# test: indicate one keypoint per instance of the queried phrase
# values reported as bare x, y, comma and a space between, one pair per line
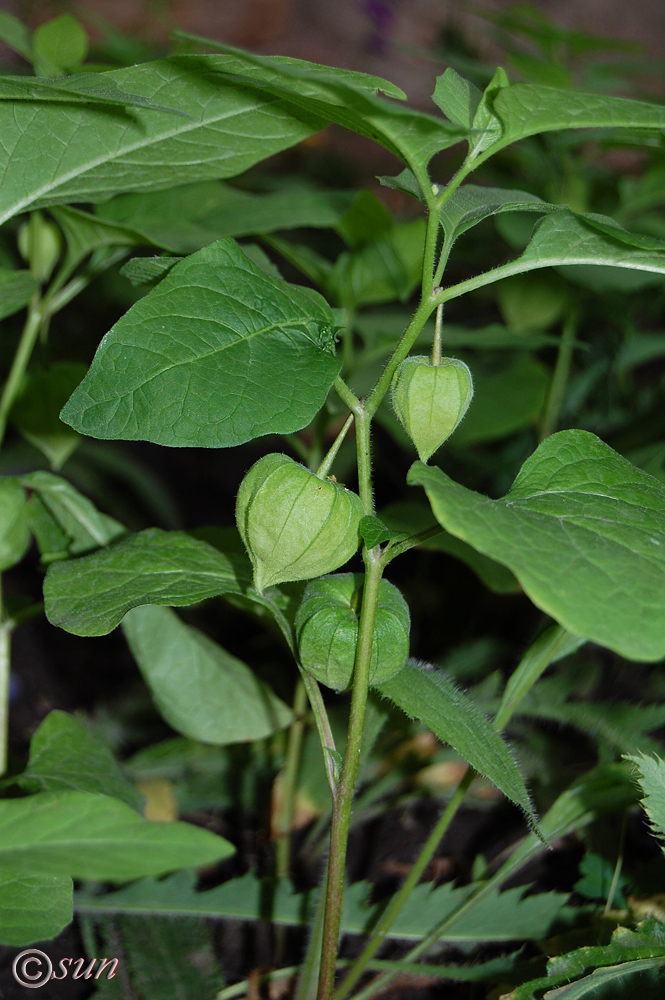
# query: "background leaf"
36, 412
97, 837
215, 698
32, 907
66, 756
16, 290
90, 596
217, 354
584, 532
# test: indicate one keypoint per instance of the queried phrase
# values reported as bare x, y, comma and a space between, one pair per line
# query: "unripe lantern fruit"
430, 400
295, 526
327, 630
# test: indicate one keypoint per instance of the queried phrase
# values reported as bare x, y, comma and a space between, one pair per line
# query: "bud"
430, 400
295, 526
327, 630
39, 244
14, 531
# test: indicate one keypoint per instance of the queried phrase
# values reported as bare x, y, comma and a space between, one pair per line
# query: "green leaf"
499, 917
15, 34
341, 96
97, 837
14, 523
59, 45
383, 270
412, 518
217, 699
405, 181
505, 400
32, 907
16, 290
652, 781
106, 151
66, 756
143, 270
85, 233
373, 531
487, 128
36, 410
90, 596
457, 98
470, 204
365, 220
170, 959
563, 238
532, 301
584, 532
216, 320
189, 217
597, 875
633, 960
85, 527
526, 109
427, 694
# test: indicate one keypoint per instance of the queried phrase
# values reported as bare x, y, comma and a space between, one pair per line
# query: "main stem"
343, 803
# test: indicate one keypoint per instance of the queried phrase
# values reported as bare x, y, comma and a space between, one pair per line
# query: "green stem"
411, 881
22, 357
5, 640
438, 336
348, 397
618, 866
322, 723
290, 781
342, 805
418, 320
363, 449
308, 976
559, 378
327, 462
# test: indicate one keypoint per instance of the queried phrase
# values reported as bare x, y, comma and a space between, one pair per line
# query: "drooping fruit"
295, 526
327, 630
430, 400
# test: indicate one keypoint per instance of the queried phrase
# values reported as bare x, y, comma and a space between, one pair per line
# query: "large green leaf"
526, 109
427, 694
91, 595
33, 907
217, 354
55, 153
66, 756
217, 698
187, 218
500, 917
98, 837
584, 532
341, 96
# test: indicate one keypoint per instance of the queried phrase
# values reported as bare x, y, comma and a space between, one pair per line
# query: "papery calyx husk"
431, 400
295, 526
326, 627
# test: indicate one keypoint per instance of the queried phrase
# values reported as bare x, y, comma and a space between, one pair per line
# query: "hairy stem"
342, 805
438, 336
411, 881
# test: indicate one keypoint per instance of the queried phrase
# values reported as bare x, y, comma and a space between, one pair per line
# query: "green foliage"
239, 330
215, 347
572, 560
